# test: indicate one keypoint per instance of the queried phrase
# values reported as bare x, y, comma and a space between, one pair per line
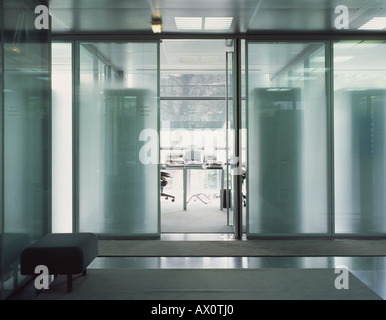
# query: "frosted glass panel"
287, 174
118, 139
359, 132
26, 158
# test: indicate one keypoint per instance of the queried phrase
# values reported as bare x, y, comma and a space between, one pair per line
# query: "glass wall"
26, 112
287, 176
359, 137
118, 145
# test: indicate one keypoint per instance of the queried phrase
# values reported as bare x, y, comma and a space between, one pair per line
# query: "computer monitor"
193, 156
210, 158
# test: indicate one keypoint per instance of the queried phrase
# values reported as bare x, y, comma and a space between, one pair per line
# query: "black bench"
61, 253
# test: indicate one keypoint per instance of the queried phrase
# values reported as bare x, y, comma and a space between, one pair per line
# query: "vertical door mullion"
237, 210
75, 134
226, 134
330, 119
159, 133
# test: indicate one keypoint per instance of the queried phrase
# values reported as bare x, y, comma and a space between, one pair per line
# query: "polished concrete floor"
370, 270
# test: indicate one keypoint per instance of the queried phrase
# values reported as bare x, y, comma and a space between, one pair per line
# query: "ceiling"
249, 16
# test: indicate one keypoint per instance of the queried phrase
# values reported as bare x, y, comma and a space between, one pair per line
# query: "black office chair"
164, 182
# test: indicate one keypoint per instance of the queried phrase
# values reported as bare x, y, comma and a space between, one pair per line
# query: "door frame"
237, 198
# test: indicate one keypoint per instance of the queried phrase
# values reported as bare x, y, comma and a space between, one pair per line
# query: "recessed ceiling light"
342, 58
317, 59
190, 59
188, 23
376, 23
210, 59
278, 89
218, 23
345, 45
356, 45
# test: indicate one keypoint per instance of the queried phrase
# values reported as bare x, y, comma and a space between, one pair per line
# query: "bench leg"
69, 282
84, 273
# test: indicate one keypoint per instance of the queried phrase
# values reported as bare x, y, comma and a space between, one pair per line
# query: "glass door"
117, 139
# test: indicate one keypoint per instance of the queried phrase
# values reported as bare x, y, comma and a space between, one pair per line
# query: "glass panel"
193, 68
118, 139
61, 137
359, 134
287, 139
193, 114
26, 136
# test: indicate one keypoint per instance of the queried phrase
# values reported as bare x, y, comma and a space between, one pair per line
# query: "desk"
195, 166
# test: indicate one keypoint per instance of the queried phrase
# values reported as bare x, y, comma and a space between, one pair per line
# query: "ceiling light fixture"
156, 24
342, 58
376, 23
229, 43
218, 23
188, 23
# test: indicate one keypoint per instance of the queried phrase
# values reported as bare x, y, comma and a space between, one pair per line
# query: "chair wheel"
173, 200
166, 198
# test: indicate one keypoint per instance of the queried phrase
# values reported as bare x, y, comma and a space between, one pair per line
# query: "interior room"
176, 144
196, 128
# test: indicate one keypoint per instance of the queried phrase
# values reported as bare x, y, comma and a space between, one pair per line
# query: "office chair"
164, 182
243, 177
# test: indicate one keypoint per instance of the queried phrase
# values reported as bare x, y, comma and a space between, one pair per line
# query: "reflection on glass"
193, 84
287, 139
193, 68
359, 137
26, 135
118, 190
187, 123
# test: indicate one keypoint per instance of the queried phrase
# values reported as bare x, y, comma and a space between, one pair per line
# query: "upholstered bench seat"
61, 253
